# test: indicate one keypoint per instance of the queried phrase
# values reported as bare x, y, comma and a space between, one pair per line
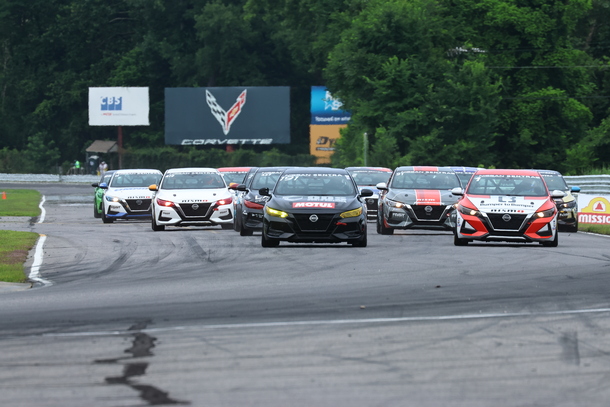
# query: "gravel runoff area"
70, 179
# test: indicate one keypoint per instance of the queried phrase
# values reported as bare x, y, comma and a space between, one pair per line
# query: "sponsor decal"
323, 205
509, 204
138, 197
595, 209
427, 197
225, 118
214, 141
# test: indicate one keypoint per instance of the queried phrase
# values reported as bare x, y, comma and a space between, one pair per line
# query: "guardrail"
72, 179
590, 184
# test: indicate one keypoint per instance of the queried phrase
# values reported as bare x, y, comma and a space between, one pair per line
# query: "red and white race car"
506, 205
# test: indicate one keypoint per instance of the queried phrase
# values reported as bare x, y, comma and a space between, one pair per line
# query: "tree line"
493, 83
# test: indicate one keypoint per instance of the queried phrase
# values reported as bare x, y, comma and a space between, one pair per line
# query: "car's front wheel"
458, 241
105, 218
156, 227
552, 243
267, 242
381, 227
96, 214
362, 242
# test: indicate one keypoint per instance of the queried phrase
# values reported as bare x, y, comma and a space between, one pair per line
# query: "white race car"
192, 197
127, 196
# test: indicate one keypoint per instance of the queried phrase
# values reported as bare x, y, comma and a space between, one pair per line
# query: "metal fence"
590, 184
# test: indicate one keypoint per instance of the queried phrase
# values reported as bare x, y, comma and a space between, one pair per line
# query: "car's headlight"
276, 213
352, 214
395, 204
468, 211
110, 198
546, 214
570, 204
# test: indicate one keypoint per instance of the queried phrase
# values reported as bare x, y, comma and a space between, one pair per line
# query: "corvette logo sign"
225, 118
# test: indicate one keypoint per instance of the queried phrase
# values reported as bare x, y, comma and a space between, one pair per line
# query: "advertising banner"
227, 115
322, 141
594, 209
325, 109
118, 107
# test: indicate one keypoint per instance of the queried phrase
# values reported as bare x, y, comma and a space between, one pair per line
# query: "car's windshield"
265, 179
515, 185
315, 184
134, 180
369, 177
410, 179
192, 180
464, 177
234, 176
555, 181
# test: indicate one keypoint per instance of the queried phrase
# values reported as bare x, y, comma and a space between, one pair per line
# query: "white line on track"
341, 322
35, 270
43, 212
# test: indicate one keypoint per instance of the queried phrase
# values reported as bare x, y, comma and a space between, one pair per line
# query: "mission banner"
227, 115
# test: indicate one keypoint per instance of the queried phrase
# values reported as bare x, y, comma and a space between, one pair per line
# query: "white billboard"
118, 107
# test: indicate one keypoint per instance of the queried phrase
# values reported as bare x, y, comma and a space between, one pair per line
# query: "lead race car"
317, 205
192, 197
417, 198
507, 205
127, 195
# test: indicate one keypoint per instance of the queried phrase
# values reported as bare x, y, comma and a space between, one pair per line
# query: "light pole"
366, 148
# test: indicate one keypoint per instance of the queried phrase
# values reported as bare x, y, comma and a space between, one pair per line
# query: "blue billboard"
325, 109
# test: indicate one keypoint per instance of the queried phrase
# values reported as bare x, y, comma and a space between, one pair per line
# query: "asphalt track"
126, 316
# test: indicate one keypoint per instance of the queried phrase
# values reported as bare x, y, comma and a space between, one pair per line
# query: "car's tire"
552, 243
266, 242
572, 228
96, 214
156, 227
226, 226
381, 228
458, 241
362, 242
106, 219
244, 231
237, 221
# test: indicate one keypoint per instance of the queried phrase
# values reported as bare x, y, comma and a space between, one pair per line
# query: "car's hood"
507, 204
254, 196
130, 193
193, 195
300, 203
422, 196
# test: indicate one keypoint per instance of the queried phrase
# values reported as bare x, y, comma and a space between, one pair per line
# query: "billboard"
227, 115
327, 119
118, 107
594, 209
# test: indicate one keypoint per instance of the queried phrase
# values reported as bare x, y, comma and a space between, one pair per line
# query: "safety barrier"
590, 184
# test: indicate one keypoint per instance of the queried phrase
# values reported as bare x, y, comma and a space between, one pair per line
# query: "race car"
507, 205
567, 219
98, 195
127, 195
316, 205
191, 197
464, 174
235, 175
417, 198
249, 209
368, 178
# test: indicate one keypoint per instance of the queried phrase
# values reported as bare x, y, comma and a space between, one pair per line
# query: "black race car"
316, 205
249, 209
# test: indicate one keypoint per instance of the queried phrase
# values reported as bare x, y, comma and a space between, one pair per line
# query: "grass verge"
14, 249
601, 229
19, 202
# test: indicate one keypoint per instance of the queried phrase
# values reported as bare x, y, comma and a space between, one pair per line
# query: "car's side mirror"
95, 184
153, 187
241, 187
575, 189
264, 192
103, 185
556, 194
457, 191
382, 186
366, 192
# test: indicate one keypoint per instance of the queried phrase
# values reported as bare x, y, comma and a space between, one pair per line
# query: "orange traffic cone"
3, 195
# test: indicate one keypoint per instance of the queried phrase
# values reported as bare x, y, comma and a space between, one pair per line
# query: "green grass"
19, 202
601, 229
14, 249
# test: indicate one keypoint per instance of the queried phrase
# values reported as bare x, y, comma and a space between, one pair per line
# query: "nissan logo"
313, 218
506, 217
428, 209
139, 202
195, 207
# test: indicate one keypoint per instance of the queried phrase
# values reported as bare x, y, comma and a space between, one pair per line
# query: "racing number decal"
511, 199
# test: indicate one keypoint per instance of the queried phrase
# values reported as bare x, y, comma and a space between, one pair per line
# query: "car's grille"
371, 204
138, 205
434, 214
198, 210
514, 223
306, 225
